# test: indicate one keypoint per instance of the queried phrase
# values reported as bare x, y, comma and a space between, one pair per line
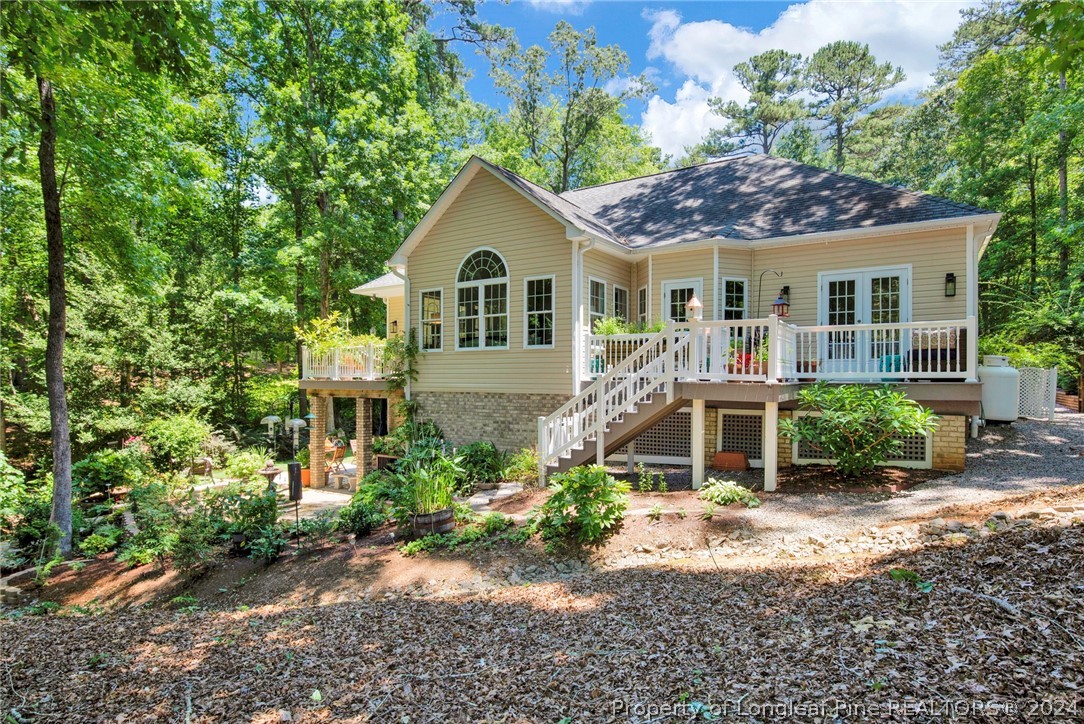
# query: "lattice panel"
914, 450
1038, 390
742, 433
671, 437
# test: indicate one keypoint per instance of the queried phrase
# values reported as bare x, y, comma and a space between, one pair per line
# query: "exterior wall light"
950, 285
781, 305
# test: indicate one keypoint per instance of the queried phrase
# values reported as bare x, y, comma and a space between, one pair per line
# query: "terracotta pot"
305, 477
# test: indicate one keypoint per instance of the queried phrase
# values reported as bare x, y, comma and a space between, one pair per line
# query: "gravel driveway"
1005, 461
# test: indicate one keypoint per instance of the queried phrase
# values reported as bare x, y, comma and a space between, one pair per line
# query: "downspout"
400, 272
579, 248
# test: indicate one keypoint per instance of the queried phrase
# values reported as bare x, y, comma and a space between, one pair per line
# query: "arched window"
481, 288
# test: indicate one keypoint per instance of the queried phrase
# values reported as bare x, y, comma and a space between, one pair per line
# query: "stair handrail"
582, 411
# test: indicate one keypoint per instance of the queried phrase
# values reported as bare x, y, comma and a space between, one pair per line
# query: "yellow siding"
395, 313
931, 255
489, 213
612, 270
693, 264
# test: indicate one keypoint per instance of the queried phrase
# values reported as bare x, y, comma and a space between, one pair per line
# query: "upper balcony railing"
760, 350
364, 362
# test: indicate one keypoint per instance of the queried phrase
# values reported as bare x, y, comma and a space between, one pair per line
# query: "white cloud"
904, 32
563, 7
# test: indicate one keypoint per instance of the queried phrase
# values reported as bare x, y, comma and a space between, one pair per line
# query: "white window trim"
422, 320
553, 310
698, 289
926, 464
906, 276
643, 311
628, 301
605, 298
481, 302
722, 295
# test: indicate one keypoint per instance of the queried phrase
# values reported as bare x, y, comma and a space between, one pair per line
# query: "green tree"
561, 115
846, 81
773, 80
54, 44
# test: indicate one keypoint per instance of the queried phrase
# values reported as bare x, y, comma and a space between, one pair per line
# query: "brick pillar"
317, 436
363, 456
950, 443
711, 430
786, 445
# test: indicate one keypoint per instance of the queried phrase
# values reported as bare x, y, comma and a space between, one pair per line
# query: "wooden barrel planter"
385, 461
441, 521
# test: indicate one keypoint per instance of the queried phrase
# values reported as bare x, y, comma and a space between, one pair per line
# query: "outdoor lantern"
395, 326
694, 309
950, 285
781, 306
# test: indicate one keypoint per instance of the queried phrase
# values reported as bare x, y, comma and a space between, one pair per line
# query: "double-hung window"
641, 306
538, 312
431, 306
735, 298
481, 289
621, 303
596, 298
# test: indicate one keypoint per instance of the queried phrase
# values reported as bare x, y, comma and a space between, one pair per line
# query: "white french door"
867, 296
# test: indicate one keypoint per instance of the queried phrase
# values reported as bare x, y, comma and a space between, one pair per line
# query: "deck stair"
618, 406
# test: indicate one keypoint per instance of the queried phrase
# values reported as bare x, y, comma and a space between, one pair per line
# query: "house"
751, 276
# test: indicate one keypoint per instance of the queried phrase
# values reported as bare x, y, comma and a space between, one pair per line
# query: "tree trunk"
323, 203
1063, 193
1034, 267
839, 145
54, 346
299, 293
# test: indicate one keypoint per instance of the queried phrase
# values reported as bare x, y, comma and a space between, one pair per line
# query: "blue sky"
688, 48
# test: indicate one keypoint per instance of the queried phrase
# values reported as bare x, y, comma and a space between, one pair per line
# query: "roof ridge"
881, 184
728, 159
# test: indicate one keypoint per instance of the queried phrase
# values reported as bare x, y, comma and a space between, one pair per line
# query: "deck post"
317, 436
770, 445
697, 445
363, 456
630, 462
600, 446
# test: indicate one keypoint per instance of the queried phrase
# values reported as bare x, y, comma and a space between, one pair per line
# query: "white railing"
899, 351
364, 362
601, 352
647, 370
760, 350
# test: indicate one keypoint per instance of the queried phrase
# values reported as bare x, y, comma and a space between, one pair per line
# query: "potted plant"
807, 367
427, 477
303, 458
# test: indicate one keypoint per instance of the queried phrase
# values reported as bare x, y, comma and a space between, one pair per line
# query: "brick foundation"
785, 453
509, 421
950, 443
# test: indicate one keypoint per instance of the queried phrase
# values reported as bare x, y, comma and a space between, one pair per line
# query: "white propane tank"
1000, 389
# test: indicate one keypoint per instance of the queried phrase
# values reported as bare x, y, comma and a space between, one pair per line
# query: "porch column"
363, 456
630, 463
393, 414
770, 445
698, 444
317, 436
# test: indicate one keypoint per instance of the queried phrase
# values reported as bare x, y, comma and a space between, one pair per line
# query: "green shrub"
175, 441
243, 508
15, 490
725, 492
320, 528
176, 396
157, 520
103, 539
856, 426
101, 471
406, 436
427, 478
267, 544
244, 464
586, 505
521, 467
483, 464
361, 516
196, 550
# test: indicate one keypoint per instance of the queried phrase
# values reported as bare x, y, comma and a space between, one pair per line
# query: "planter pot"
386, 461
305, 477
808, 367
442, 521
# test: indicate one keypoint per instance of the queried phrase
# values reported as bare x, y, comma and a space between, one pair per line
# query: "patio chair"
335, 457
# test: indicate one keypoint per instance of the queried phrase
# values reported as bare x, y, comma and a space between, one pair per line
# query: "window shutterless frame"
641, 305
539, 304
427, 319
732, 299
481, 287
621, 303
594, 313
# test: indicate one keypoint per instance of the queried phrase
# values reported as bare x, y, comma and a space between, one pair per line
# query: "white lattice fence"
1038, 390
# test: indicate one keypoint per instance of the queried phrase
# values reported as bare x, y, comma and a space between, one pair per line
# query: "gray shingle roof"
746, 198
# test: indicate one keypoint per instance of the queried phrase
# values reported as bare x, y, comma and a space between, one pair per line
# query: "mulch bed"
821, 479
1000, 629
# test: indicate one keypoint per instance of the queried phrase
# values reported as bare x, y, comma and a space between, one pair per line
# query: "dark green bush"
104, 538
101, 471
586, 505
857, 425
483, 464
361, 517
175, 441
196, 548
